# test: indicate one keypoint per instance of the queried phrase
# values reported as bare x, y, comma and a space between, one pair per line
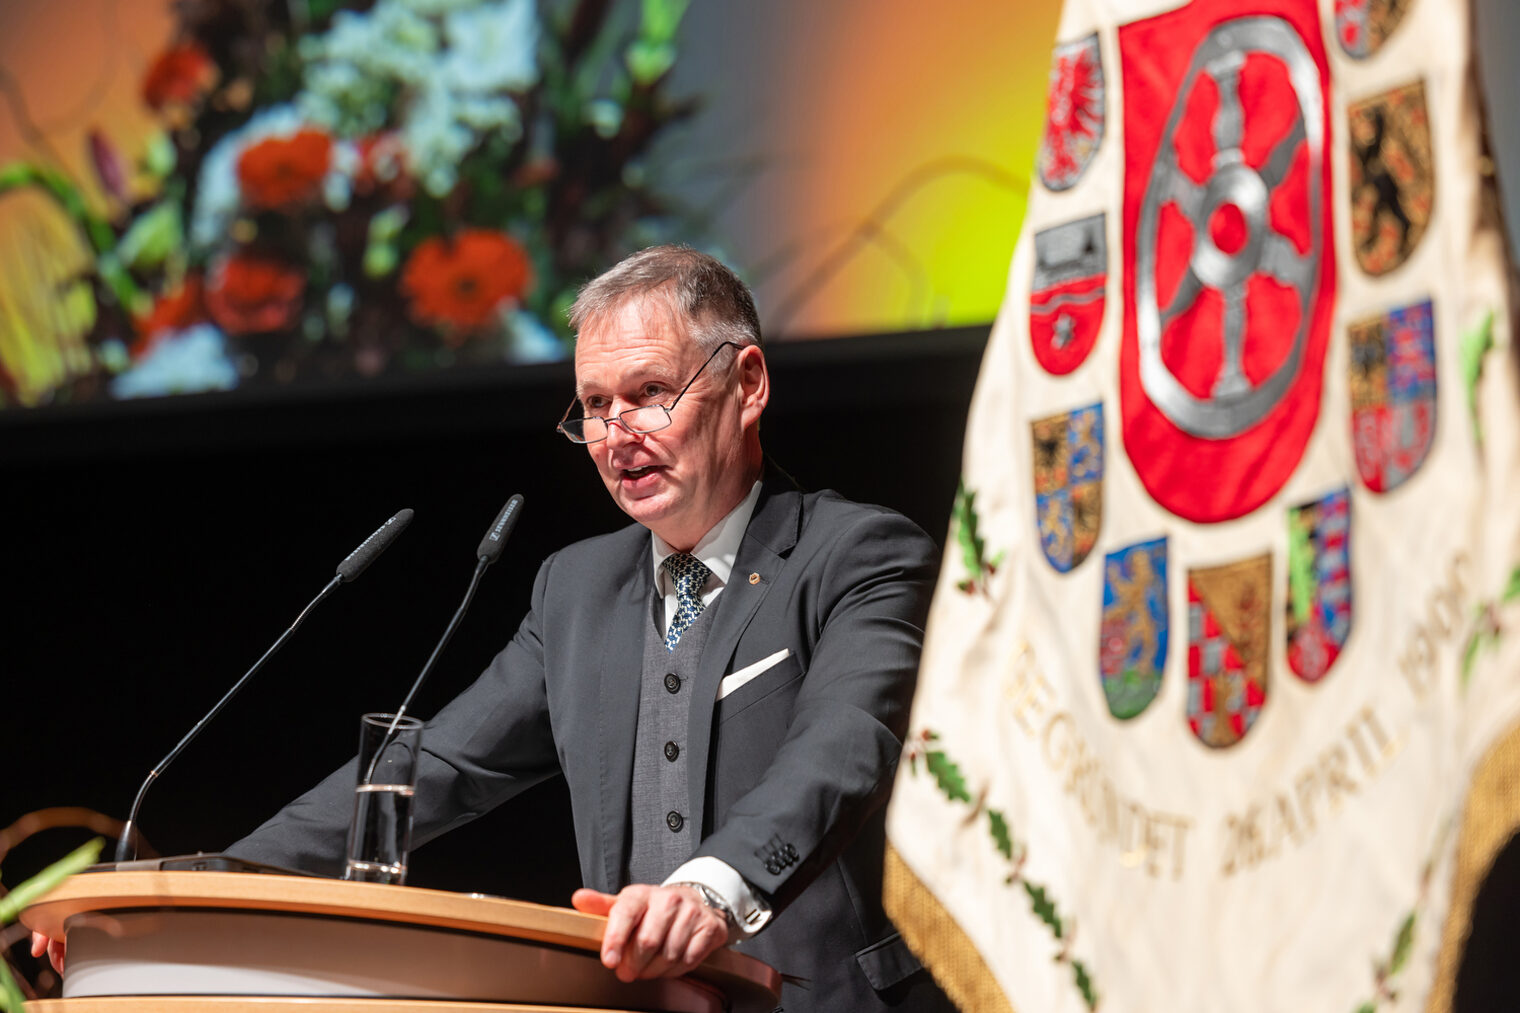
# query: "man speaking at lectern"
724, 684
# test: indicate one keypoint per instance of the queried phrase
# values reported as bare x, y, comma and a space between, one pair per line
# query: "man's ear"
754, 383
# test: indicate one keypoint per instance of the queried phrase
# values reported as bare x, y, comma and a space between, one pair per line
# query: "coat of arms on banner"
1068, 484
1393, 183
1073, 113
1229, 615
1229, 276
1132, 647
1067, 294
1393, 394
1319, 584
1362, 26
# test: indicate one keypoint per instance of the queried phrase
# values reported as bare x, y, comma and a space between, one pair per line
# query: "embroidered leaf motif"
1401, 945
947, 775
973, 547
998, 824
1512, 589
1474, 345
952, 782
1383, 973
1470, 655
1085, 984
1403, 942
1044, 908
914, 748
1486, 629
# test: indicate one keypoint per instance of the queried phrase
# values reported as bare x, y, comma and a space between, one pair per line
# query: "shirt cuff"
750, 912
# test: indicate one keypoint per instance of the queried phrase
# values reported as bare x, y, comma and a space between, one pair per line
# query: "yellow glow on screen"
931, 115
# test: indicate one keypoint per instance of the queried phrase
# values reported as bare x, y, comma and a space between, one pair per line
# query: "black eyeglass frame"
618, 418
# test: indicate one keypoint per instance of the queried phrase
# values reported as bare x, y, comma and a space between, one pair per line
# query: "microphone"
352, 565
358, 561
487, 553
496, 538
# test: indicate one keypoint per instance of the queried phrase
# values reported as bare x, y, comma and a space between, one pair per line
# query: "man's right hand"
654, 931
52, 947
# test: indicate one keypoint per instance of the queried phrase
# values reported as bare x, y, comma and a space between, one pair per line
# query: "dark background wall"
152, 553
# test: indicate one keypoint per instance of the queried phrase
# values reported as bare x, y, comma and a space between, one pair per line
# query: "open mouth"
639, 476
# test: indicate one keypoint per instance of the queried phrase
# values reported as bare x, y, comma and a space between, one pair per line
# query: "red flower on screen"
281, 172
250, 293
458, 284
173, 311
182, 75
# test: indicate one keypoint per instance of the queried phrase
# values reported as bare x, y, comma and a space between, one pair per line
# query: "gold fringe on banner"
937, 939
1490, 817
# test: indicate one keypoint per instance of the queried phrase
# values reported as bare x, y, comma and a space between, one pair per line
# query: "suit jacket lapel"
622, 667
772, 532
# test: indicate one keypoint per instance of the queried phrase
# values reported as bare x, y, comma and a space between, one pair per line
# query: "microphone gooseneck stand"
349, 569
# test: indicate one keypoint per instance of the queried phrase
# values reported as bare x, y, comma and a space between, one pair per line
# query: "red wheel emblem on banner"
1229, 272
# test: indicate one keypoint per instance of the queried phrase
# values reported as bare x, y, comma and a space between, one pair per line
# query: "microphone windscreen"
491, 545
355, 562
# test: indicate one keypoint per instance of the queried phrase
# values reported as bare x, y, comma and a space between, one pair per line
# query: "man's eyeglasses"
644, 419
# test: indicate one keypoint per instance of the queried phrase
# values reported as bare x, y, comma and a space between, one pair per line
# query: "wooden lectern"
227, 941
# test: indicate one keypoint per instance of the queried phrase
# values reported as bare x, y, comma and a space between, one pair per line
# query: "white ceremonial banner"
1229, 610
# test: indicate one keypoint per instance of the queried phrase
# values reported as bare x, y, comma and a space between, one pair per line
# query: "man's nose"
618, 433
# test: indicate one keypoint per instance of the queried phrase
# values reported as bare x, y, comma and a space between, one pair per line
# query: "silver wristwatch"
711, 898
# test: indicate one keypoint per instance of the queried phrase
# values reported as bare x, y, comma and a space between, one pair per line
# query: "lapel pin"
754, 578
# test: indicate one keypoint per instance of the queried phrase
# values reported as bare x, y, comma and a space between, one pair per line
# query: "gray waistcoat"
661, 833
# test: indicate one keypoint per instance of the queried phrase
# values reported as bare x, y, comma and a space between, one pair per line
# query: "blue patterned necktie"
688, 574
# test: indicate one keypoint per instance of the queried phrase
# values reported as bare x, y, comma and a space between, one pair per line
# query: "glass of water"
381, 833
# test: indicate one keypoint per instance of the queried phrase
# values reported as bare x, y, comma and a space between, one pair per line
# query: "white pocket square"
734, 680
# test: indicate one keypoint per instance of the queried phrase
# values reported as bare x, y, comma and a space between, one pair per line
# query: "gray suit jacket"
798, 762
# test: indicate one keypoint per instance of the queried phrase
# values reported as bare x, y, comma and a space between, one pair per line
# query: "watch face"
711, 899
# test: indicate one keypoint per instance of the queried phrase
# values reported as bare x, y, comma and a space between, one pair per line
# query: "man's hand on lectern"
654, 931
52, 947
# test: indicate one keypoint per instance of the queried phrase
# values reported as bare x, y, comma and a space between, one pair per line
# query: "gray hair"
714, 304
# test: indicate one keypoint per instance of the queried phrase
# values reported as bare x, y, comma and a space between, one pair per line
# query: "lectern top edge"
300, 895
